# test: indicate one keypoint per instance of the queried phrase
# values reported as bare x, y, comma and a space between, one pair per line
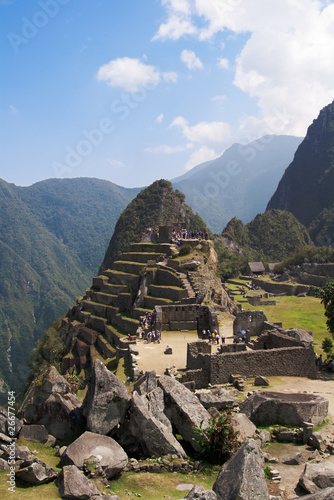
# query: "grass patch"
24, 491
157, 486
123, 369
306, 313
45, 453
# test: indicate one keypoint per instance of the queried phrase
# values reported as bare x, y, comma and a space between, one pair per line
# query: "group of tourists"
212, 337
152, 336
147, 320
184, 234
327, 366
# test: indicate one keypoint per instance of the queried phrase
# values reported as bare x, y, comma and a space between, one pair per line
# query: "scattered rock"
168, 349
242, 476
293, 459
260, 380
146, 383
34, 433
244, 426
316, 441
199, 493
4, 423
221, 399
112, 457
107, 400
156, 438
326, 494
49, 398
72, 483
184, 410
317, 476
36, 472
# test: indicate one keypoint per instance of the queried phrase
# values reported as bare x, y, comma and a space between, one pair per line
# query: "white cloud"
203, 132
131, 74
175, 27
200, 156
223, 63
191, 60
170, 76
159, 118
13, 109
116, 163
167, 150
286, 63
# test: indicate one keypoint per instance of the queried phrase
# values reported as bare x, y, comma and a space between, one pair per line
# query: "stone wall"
167, 277
312, 279
290, 361
319, 269
186, 317
253, 321
275, 340
282, 288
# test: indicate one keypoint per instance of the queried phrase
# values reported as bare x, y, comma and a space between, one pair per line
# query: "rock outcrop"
35, 471
154, 436
110, 454
285, 408
49, 401
107, 400
242, 476
72, 483
316, 477
184, 410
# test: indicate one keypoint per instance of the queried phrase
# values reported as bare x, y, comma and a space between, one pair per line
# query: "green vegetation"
154, 206
157, 486
297, 312
326, 294
219, 440
306, 254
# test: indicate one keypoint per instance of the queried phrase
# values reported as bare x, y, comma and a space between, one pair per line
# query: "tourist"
223, 339
209, 335
203, 334
217, 337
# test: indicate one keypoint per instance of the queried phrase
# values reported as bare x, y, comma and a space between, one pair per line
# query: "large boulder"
184, 410
199, 493
285, 408
107, 400
154, 436
35, 471
156, 405
50, 402
146, 383
220, 399
242, 476
72, 483
34, 433
243, 426
15, 429
326, 494
111, 455
316, 477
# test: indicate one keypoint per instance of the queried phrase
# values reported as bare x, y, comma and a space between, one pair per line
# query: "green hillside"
154, 206
271, 236
53, 237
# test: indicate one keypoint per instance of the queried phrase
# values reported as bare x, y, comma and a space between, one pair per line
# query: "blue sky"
137, 90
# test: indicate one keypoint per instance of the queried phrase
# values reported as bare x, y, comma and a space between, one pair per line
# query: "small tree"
327, 346
326, 294
218, 441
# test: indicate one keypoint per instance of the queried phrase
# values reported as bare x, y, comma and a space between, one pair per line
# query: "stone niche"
186, 317
253, 321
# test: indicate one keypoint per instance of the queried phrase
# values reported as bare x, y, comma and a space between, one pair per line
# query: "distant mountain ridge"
240, 182
306, 188
53, 237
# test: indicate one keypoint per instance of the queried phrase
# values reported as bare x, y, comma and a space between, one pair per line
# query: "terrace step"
142, 257
127, 266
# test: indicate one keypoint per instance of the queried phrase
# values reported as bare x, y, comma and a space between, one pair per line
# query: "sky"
137, 90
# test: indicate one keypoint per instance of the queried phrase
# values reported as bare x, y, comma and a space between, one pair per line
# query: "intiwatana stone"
184, 410
242, 476
111, 455
107, 400
316, 477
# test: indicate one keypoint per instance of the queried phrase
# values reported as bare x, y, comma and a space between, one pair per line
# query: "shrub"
219, 441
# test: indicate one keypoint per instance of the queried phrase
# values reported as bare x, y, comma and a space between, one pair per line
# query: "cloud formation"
286, 63
131, 74
203, 132
167, 150
191, 60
